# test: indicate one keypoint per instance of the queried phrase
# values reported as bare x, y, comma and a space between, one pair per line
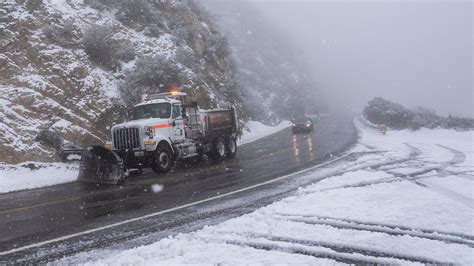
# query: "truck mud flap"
101, 165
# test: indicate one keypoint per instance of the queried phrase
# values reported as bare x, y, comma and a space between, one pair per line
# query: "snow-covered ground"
405, 198
33, 174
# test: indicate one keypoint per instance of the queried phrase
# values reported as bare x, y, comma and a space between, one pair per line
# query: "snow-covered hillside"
403, 198
53, 76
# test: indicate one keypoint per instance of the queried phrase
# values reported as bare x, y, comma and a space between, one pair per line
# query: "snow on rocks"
406, 199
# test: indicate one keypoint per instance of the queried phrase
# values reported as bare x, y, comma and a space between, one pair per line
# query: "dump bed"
219, 122
212, 123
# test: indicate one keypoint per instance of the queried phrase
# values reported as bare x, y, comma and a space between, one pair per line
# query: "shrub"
219, 46
187, 57
101, 5
33, 5
458, 123
68, 28
137, 11
61, 34
125, 53
50, 139
100, 46
394, 115
416, 122
49, 31
153, 31
150, 75
423, 117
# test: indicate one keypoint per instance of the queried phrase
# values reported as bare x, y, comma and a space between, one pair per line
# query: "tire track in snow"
464, 174
458, 157
390, 229
335, 251
453, 195
414, 177
367, 146
414, 153
372, 164
308, 251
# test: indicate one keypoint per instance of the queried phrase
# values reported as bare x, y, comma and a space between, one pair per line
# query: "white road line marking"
168, 210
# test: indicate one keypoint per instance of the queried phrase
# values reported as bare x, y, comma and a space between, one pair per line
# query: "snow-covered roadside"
31, 175
406, 199
34, 175
256, 130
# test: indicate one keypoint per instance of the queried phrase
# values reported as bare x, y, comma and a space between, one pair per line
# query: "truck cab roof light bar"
174, 94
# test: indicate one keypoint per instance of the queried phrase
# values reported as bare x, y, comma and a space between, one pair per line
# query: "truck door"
178, 124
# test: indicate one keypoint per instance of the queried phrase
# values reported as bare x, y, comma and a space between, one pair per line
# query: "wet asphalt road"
39, 215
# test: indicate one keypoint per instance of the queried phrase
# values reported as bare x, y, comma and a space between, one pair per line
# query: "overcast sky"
418, 53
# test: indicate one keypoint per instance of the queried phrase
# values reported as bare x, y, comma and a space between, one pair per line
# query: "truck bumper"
135, 158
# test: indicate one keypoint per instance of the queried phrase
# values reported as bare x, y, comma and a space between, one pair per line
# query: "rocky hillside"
68, 69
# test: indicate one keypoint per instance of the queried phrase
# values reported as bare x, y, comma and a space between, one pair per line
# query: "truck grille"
126, 138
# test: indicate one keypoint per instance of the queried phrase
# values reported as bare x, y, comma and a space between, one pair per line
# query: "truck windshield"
157, 110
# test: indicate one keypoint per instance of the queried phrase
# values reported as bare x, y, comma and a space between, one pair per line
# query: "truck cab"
162, 119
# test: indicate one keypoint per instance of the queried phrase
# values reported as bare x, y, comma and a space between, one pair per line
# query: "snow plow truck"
162, 130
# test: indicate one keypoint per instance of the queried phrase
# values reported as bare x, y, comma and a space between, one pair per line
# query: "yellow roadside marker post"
383, 129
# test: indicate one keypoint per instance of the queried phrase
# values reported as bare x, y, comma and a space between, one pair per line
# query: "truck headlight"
148, 132
308, 125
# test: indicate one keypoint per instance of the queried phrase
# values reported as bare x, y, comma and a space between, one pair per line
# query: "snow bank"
404, 200
256, 130
31, 175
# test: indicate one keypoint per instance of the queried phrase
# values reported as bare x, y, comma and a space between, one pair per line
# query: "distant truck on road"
161, 131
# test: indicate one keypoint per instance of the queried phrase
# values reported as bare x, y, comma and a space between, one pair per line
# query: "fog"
418, 53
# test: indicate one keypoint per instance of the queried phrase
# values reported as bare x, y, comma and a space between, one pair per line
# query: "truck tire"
231, 148
218, 150
163, 159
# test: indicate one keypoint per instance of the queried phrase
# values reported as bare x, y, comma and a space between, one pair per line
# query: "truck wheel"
218, 150
163, 160
231, 148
